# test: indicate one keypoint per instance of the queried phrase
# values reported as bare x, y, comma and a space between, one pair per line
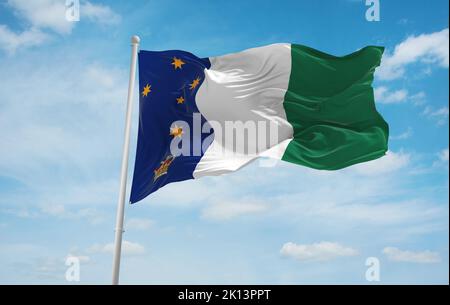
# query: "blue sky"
62, 102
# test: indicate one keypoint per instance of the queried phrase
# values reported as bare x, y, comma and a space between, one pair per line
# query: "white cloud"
368, 213
418, 99
47, 268
89, 105
102, 76
404, 135
440, 115
322, 251
442, 159
82, 258
41, 264
92, 215
389, 163
424, 257
226, 210
98, 13
45, 14
430, 49
54, 209
351, 197
139, 224
128, 248
49, 15
384, 96
60, 211
11, 41
77, 139
16, 248
443, 155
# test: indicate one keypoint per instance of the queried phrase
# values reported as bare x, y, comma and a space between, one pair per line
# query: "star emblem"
147, 89
180, 100
177, 63
194, 83
176, 131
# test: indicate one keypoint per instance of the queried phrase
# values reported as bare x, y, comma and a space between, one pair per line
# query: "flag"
283, 101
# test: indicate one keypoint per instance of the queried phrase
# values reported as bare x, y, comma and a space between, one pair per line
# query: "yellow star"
177, 63
194, 83
147, 90
180, 100
176, 131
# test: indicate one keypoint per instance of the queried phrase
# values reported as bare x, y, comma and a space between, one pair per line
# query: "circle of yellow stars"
177, 64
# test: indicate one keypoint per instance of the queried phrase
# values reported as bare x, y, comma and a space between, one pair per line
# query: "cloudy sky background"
62, 101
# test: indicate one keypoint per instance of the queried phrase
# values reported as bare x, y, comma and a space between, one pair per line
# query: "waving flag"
283, 101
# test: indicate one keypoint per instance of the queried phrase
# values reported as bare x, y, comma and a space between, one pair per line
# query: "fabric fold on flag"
330, 104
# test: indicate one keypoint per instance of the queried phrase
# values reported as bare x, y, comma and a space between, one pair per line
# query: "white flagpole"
123, 174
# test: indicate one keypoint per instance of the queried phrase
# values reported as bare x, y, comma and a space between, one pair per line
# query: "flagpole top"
135, 39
